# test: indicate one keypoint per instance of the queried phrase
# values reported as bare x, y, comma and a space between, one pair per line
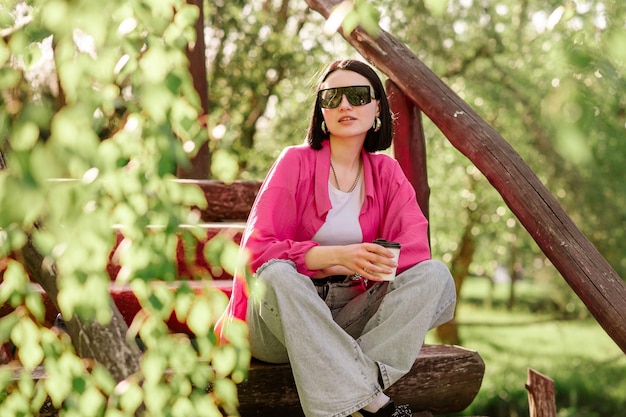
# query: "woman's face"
349, 120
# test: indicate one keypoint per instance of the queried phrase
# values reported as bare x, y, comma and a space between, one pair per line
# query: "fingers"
375, 261
374, 272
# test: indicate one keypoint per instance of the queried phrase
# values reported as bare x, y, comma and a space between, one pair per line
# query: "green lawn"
588, 368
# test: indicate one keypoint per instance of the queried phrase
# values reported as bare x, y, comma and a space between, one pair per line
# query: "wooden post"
409, 144
541, 399
200, 164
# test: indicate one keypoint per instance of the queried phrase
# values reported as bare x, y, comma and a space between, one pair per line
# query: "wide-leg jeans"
347, 348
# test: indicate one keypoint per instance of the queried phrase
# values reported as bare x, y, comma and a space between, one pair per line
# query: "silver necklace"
356, 180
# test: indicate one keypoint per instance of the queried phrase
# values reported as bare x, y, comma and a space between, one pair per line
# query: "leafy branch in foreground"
97, 115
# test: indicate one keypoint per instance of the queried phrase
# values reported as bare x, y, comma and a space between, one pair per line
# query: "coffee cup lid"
387, 243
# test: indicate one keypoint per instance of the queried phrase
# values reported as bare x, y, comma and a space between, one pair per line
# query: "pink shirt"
293, 202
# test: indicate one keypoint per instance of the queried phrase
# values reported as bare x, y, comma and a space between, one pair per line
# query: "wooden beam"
588, 273
409, 143
227, 202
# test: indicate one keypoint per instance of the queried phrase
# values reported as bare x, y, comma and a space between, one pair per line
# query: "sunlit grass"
588, 368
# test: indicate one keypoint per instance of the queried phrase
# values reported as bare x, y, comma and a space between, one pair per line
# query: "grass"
588, 368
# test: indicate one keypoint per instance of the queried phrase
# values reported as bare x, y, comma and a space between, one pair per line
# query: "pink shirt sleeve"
273, 225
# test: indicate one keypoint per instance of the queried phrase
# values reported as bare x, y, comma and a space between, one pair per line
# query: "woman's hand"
365, 259
368, 260
333, 270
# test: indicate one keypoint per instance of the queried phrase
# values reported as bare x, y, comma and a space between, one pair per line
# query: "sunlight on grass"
588, 368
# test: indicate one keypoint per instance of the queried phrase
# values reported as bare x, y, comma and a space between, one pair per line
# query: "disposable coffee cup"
393, 247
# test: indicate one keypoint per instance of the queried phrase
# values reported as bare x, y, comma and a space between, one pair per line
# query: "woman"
348, 334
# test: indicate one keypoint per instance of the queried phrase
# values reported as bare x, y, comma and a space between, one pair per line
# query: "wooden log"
227, 202
588, 273
541, 397
444, 379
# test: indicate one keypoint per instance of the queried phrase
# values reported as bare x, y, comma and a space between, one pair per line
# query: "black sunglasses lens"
330, 98
357, 96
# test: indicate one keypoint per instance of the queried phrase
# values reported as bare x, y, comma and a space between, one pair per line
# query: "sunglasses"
357, 95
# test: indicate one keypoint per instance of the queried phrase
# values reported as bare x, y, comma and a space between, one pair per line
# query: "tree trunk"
200, 164
105, 343
449, 332
578, 261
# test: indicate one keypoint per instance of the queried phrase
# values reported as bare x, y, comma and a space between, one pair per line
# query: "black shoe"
388, 410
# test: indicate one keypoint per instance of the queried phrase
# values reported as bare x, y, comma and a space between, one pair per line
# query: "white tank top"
342, 222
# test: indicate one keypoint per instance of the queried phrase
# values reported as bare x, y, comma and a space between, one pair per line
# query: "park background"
547, 75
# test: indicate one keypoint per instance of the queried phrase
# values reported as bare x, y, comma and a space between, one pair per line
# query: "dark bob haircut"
374, 141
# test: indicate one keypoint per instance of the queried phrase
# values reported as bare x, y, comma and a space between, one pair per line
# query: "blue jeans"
347, 348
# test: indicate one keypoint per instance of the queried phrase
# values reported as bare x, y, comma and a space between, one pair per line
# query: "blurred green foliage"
97, 110
586, 365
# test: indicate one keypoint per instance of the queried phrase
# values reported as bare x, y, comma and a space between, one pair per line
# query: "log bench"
444, 379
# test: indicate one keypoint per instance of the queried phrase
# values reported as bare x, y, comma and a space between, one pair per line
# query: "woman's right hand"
367, 260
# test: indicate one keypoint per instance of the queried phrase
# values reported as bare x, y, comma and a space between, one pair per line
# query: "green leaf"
34, 303
368, 17
224, 165
13, 284
7, 324
25, 336
183, 407
9, 78
103, 379
91, 402
183, 302
226, 390
224, 359
156, 100
54, 14
155, 64
200, 318
232, 259
25, 135
338, 16
436, 7
131, 396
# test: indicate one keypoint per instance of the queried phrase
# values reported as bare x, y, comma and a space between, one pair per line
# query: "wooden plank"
541, 395
227, 202
444, 379
590, 275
